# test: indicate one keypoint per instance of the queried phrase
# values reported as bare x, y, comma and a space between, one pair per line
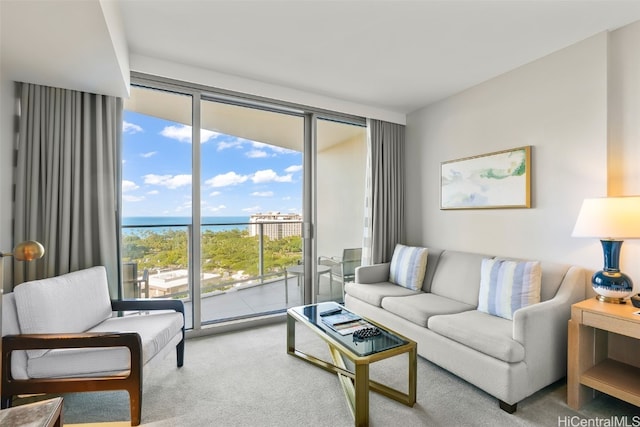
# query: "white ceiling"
393, 55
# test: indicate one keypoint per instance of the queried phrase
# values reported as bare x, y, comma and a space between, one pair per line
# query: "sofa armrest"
375, 273
143, 304
132, 382
542, 330
11, 343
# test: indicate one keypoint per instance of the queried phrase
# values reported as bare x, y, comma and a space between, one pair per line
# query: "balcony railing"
234, 256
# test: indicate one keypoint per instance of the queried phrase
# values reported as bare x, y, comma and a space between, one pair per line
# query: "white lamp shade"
609, 218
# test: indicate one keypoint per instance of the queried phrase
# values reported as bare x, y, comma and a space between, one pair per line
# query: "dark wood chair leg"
6, 401
135, 402
510, 409
180, 353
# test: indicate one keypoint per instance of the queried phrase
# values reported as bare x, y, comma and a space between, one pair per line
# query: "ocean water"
161, 224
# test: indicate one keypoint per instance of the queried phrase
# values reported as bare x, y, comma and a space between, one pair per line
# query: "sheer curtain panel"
67, 181
384, 191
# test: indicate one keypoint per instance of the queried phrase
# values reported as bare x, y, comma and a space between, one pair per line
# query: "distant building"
275, 225
172, 282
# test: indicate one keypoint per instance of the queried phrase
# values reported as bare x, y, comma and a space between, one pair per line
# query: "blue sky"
240, 177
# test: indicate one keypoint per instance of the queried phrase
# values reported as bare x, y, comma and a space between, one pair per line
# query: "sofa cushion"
408, 265
72, 302
419, 308
156, 331
372, 293
507, 285
480, 331
458, 276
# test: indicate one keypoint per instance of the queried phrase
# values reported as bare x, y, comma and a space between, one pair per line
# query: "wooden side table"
603, 352
47, 413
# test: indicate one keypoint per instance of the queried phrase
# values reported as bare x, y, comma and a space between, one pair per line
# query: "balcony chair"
343, 268
64, 334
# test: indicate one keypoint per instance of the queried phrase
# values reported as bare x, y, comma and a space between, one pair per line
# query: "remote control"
330, 312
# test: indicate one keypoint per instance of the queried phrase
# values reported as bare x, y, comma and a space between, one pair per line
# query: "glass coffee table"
336, 325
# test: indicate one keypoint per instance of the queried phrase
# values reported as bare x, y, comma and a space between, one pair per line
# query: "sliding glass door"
235, 225
251, 192
341, 158
156, 195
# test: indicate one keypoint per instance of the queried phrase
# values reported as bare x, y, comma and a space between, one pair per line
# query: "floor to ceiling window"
341, 160
156, 194
227, 224
251, 209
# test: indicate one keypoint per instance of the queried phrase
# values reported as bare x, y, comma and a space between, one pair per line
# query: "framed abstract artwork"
489, 181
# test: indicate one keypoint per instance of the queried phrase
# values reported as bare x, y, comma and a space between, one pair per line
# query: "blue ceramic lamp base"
611, 284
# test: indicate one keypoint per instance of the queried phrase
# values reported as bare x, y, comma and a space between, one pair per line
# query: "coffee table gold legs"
357, 394
362, 395
356, 385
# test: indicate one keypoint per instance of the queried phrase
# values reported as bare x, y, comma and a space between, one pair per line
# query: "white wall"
558, 105
624, 129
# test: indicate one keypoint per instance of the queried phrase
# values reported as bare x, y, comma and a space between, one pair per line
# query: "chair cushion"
419, 308
73, 302
156, 331
408, 265
506, 286
372, 293
483, 332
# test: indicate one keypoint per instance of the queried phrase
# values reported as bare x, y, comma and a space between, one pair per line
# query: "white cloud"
256, 154
149, 154
130, 128
268, 175
235, 143
131, 199
215, 193
169, 181
262, 193
215, 209
252, 209
226, 179
184, 208
293, 168
129, 186
182, 133
153, 192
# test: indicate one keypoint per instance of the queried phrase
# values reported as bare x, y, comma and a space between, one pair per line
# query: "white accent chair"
64, 334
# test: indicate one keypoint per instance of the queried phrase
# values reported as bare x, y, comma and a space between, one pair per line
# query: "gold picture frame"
498, 180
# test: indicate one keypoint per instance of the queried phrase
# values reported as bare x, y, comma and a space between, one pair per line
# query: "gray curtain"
384, 191
66, 181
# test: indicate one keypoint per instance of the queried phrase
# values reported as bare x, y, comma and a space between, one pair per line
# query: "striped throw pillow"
506, 286
408, 266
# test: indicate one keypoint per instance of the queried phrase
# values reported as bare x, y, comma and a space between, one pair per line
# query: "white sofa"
509, 359
65, 334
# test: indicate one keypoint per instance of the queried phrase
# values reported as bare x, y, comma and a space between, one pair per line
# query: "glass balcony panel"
155, 262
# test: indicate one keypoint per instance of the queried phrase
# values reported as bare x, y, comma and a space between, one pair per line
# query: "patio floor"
253, 300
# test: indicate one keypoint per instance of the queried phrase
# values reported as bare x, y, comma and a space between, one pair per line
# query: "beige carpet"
248, 379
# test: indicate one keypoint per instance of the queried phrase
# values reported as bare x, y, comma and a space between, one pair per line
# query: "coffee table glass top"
320, 315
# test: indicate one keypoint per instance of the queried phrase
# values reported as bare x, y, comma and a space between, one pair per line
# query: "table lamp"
26, 251
611, 219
